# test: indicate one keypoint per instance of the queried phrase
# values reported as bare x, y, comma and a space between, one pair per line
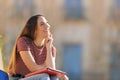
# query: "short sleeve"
54, 51
22, 44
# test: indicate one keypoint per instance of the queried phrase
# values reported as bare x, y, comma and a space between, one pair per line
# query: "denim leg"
54, 78
14, 78
43, 76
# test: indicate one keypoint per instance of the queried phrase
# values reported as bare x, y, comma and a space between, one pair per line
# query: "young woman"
33, 50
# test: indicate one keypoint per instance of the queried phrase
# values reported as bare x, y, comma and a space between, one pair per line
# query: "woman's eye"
41, 23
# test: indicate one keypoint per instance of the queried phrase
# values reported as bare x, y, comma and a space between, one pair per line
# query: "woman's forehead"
42, 19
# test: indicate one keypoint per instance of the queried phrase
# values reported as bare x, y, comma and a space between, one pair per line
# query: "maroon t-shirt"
38, 53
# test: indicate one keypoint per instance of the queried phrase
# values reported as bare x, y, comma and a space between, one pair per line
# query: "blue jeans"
43, 76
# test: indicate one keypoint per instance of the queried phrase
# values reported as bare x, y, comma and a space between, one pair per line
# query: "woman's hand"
50, 60
49, 41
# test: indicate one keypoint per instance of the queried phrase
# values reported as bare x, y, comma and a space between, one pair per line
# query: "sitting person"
33, 51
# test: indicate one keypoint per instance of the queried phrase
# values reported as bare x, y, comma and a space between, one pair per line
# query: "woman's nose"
47, 26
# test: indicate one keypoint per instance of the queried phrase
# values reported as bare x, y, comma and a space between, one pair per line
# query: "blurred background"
86, 34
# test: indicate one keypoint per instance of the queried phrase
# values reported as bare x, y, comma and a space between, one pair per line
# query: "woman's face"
43, 28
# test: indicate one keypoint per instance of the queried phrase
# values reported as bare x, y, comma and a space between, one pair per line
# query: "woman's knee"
43, 76
54, 78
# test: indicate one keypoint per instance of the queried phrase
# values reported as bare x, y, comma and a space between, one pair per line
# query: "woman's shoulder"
24, 39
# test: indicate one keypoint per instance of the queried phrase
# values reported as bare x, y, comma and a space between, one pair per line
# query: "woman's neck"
39, 42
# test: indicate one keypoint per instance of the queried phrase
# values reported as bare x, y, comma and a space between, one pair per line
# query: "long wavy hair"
28, 31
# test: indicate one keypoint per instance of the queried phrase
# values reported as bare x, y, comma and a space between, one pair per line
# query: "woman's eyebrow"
41, 22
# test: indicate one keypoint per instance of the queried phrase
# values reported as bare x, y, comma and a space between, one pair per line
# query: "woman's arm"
30, 62
50, 59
